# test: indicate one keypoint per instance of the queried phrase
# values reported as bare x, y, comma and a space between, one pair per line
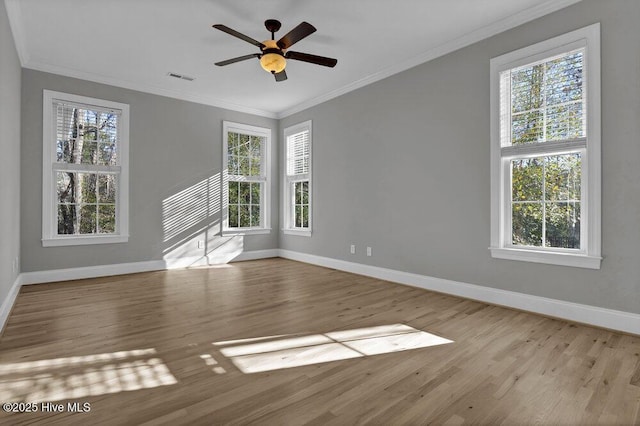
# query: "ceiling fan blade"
281, 76
238, 59
314, 59
295, 35
241, 36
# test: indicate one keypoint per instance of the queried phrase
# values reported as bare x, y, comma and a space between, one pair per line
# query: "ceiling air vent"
180, 76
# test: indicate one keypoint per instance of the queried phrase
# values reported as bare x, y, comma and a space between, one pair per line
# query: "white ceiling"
135, 43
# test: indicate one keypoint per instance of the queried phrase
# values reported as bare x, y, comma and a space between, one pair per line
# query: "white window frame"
588, 256
50, 236
289, 180
265, 199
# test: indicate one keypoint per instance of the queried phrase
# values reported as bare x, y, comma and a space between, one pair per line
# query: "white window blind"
86, 134
298, 153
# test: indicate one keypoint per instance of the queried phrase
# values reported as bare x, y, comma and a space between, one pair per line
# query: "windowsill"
299, 232
80, 241
258, 231
554, 258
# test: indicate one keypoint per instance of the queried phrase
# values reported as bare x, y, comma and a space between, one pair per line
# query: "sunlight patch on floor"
211, 362
81, 376
275, 352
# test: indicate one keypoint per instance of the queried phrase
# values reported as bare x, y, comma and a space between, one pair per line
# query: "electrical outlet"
368, 251
353, 249
200, 243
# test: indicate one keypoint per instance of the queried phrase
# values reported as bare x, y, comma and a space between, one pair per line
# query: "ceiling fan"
274, 55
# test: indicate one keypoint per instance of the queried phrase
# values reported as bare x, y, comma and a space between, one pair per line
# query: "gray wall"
402, 166
10, 148
175, 153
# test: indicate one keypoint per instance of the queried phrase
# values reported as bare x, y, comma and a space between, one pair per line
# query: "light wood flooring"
258, 342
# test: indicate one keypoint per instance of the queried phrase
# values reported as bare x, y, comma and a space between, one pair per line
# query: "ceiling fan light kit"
272, 59
274, 54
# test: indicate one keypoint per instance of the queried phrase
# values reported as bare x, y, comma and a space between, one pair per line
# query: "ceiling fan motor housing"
272, 25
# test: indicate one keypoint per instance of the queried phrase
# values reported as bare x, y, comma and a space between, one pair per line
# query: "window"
246, 171
85, 170
297, 180
545, 153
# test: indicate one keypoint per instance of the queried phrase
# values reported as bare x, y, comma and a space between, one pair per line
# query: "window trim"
50, 237
289, 180
229, 126
589, 257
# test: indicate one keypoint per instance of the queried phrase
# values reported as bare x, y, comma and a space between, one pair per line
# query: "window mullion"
544, 101
293, 205
536, 149
298, 178
85, 168
544, 202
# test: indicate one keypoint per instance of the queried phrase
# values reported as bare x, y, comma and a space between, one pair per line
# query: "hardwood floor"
281, 342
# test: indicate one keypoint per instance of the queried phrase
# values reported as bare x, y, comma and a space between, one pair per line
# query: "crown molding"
483, 33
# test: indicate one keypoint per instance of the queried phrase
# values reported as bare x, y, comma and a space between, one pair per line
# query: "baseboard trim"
257, 254
56, 275
601, 317
8, 303
67, 274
